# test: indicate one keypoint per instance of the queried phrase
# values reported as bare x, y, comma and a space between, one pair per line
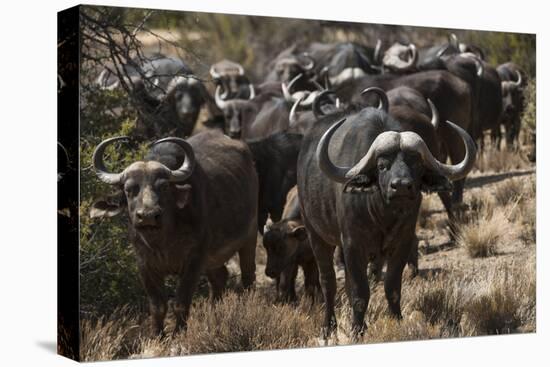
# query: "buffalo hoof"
328, 330
357, 333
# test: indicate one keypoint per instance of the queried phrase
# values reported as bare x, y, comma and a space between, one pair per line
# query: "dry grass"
509, 191
111, 338
481, 237
245, 323
494, 160
506, 302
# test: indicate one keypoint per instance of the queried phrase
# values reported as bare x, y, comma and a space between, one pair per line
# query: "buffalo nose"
401, 185
148, 217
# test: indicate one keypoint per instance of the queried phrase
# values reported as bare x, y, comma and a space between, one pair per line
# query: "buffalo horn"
220, 102
435, 114
383, 103
391, 141
518, 82
188, 165
99, 165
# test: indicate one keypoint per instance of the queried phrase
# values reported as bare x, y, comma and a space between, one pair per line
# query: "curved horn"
435, 114
225, 92
219, 100
518, 82
252, 91
452, 172
410, 141
189, 163
286, 89
311, 64
316, 105
453, 40
414, 57
293, 120
332, 171
213, 73
479, 67
101, 171
383, 103
377, 49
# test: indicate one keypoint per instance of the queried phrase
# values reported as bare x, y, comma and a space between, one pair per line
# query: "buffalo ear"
300, 233
183, 195
110, 206
434, 182
362, 183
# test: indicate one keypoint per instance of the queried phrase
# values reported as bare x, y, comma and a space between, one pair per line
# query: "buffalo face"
288, 68
187, 97
399, 176
237, 113
511, 97
151, 197
151, 191
281, 241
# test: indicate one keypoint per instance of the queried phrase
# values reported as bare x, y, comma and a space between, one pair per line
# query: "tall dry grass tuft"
247, 322
504, 303
440, 301
481, 236
113, 337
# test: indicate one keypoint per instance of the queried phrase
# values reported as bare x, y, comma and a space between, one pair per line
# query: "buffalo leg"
287, 283
458, 190
324, 256
247, 262
187, 284
217, 279
392, 282
412, 261
154, 287
311, 279
357, 285
446, 199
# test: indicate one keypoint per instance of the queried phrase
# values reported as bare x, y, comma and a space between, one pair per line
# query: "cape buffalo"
157, 70
513, 82
287, 249
174, 113
264, 114
186, 218
288, 64
232, 80
275, 160
360, 178
449, 93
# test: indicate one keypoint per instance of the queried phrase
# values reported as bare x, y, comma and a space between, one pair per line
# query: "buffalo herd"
329, 154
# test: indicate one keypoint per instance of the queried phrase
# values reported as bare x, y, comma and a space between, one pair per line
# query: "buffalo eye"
131, 189
383, 165
162, 185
